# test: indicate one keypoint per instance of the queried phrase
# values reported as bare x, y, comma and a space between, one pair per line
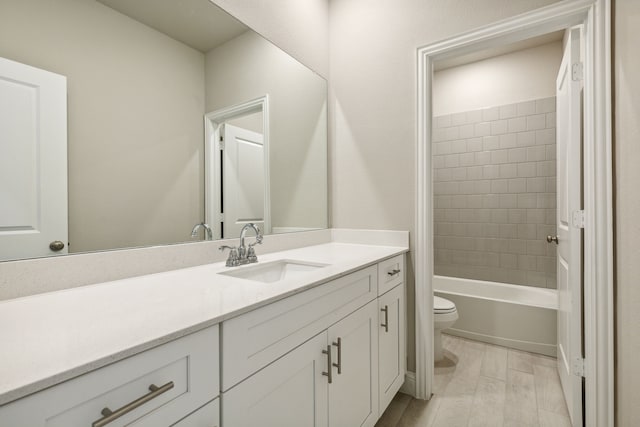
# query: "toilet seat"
442, 306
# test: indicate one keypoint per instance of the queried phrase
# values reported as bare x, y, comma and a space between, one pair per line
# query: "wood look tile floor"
481, 384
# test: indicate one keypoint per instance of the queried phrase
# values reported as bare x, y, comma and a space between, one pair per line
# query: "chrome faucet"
247, 254
243, 254
207, 229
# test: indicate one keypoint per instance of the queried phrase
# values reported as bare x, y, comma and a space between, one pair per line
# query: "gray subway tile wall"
495, 193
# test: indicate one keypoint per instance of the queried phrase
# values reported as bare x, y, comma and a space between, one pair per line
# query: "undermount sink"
274, 271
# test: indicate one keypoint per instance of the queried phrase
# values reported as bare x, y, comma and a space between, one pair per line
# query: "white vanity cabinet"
157, 387
314, 359
330, 355
255, 339
391, 356
330, 380
392, 351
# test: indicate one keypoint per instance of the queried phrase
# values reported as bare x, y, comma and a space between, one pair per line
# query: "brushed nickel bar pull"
393, 272
339, 364
108, 415
328, 374
385, 325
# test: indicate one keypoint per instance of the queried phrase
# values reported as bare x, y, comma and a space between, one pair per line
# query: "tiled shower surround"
495, 193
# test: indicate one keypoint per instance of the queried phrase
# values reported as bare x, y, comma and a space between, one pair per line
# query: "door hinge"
221, 217
577, 72
578, 367
221, 143
578, 219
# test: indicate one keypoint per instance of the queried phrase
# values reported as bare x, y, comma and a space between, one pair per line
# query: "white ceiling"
497, 51
196, 23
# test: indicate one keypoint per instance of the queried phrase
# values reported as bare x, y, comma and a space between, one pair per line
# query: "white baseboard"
531, 347
409, 386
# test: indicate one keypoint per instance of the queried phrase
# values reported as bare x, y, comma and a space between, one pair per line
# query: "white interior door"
33, 161
243, 180
569, 224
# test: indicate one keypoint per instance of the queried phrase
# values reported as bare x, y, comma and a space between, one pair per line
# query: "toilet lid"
441, 305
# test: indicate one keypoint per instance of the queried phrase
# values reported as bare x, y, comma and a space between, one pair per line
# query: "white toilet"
445, 315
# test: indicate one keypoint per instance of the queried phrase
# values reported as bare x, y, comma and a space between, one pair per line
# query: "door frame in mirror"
213, 122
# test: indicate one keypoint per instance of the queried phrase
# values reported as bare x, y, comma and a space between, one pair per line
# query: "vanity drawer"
186, 372
390, 273
255, 339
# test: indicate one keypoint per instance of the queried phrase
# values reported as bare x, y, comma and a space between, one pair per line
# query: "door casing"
595, 16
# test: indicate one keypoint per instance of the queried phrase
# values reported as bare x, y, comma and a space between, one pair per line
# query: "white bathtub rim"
549, 296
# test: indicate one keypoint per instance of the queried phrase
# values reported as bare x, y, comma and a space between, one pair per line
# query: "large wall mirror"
127, 123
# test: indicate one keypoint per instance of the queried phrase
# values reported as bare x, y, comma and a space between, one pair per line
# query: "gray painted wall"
627, 199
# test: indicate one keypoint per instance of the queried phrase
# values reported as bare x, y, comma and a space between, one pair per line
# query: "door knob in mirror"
56, 245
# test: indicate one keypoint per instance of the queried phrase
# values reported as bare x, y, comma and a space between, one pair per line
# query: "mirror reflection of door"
237, 168
242, 176
33, 162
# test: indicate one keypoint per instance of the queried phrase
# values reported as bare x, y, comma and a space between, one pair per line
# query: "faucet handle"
233, 259
251, 253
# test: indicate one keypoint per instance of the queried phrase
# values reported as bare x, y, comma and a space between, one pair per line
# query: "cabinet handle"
108, 415
339, 364
329, 372
385, 325
393, 272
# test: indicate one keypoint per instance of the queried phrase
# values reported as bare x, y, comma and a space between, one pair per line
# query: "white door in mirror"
33, 162
244, 181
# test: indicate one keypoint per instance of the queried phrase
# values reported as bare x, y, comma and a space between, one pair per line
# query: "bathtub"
520, 317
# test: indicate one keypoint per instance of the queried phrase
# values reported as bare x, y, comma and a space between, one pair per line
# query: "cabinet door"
290, 392
353, 399
391, 344
207, 416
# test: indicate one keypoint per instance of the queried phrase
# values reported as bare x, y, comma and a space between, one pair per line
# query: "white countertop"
49, 338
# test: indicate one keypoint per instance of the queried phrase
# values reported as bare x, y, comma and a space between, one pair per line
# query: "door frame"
213, 122
595, 16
